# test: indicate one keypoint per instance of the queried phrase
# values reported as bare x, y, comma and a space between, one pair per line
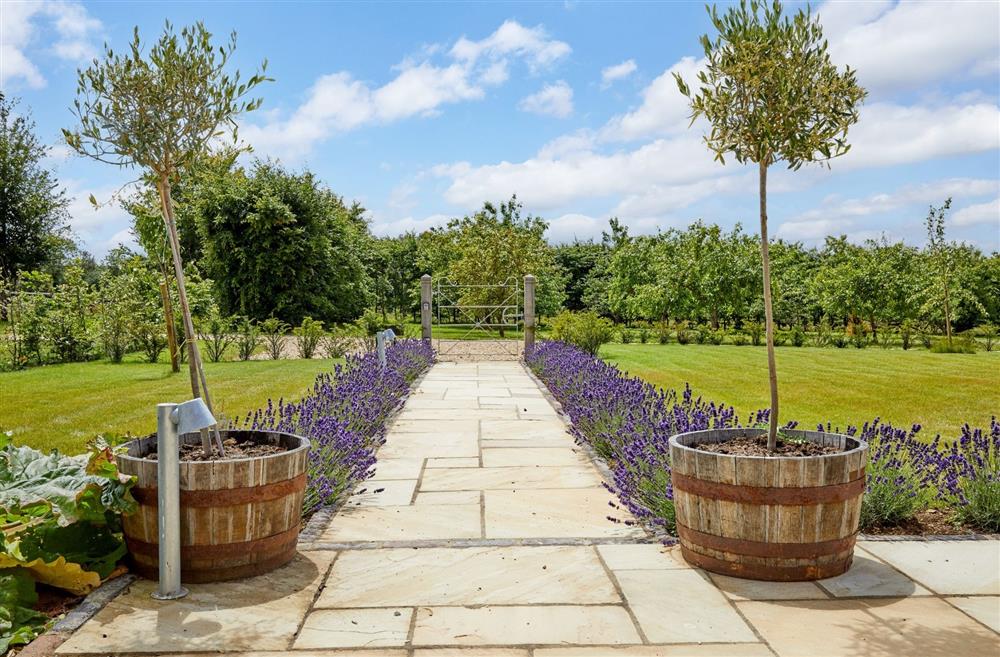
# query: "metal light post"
172, 421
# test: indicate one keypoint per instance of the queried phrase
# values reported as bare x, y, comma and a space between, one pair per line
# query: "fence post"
425, 306
529, 313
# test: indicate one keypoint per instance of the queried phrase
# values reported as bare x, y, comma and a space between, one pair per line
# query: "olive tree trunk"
195, 368
772, 369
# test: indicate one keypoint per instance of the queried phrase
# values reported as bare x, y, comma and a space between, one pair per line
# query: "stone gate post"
425, 306
529, 313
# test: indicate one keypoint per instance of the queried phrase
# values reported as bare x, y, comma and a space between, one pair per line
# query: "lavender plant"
628, 423
344, 416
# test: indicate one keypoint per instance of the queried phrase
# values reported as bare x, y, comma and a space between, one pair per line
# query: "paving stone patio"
490, 539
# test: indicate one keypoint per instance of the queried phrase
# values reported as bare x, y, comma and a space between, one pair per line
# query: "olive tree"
771, 94
158, 112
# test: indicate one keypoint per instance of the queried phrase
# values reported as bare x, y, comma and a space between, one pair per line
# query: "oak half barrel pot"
768, 518
239, 517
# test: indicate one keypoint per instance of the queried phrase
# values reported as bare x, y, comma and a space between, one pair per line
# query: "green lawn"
844, 386
64, 406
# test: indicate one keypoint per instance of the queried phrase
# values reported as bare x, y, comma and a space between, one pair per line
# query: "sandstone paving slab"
453, 462
736, 588
419, 445
533, 456
577, 512
564, 442
985, 609
524, 430
870, 577
448, 497
945, 567
354, 628
345, 652
681, 606
464, 427
641, 556
888, 627
397, 468
483, 413
383, 493
463, 392
471, 652
404, 523
414, 403
683, 650
468, 576
516, 477
260, 613
520, 625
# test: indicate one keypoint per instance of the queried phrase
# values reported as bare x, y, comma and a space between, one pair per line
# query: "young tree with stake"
770, 94
158, 113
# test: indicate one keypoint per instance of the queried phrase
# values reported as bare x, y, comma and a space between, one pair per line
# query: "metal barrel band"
767, 572
224, 573
771, 495
221, 550
229, 496
766, 549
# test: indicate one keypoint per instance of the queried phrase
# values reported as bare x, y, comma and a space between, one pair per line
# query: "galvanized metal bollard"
173, 420
380, 339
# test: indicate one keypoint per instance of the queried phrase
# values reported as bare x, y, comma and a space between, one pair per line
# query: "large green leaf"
19, 623
37, 486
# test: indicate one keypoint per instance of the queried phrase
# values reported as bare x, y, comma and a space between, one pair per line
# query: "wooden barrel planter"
239, 517
778, 519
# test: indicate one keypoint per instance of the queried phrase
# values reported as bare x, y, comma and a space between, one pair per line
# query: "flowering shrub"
345, 415
628, 422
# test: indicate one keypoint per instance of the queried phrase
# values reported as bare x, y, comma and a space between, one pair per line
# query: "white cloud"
836, 215
21, 24
910, 44
980, 213
611, 74
552, 100
337, 102
408, 224
513, 39
664, 109
888, 134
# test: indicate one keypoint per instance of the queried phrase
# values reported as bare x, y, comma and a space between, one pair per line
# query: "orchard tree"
771, 94
33, 216
159, 113
951, 275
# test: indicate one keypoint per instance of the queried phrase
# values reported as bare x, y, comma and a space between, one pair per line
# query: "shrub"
216, 334
683, 335
248, 338
739, 339
756, 331
337, 343
989, 335
840, 341
586, 330
344, 417
626, 335
824, 333
780, 338
798, 336
859, 335
274, 331
716, 337
643, 335
662, 334
906, 334
957, 346
307, 336
702, 334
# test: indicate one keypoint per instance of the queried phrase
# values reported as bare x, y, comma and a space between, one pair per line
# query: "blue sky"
423, 111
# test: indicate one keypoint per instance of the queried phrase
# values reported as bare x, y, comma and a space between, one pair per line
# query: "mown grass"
843, 386
64, 406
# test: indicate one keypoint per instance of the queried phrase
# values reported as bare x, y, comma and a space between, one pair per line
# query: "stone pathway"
488, 537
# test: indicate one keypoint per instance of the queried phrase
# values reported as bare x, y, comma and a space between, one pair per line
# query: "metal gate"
478, 320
